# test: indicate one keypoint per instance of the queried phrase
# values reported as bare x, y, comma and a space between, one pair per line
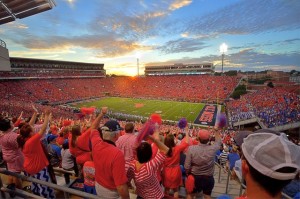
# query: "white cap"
268, 152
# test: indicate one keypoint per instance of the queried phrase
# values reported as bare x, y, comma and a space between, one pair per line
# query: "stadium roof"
10, 10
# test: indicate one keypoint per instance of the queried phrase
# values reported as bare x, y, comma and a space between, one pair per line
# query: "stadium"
75, 92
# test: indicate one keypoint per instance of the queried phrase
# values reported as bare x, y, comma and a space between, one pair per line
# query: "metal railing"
242, 185
67, 191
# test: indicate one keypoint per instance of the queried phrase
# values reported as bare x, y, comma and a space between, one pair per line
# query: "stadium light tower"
138, 55
223, 50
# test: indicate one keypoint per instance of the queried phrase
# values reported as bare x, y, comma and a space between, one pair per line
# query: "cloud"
291, 41
246, 17
179, 4
244, 60
104, 46
182, 45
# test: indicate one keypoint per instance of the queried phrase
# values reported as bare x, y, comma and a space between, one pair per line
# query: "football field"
169, 110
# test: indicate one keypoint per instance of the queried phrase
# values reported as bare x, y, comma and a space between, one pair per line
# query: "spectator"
67, 158
68, 162
232, 157
223, 156
270, 162
126, 143
54, 151
11, 152
89, 177
238, 140
111, 180
172, 175
200, 163
35, 159
144, 170
80, 142
218, 153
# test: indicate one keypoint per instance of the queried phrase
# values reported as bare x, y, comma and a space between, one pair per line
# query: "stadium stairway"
233, 189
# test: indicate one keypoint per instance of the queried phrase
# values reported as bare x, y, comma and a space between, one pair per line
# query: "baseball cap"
52, 137
113, 125
204, 134
268, 152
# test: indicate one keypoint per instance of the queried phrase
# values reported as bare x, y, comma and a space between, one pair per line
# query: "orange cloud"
179, 4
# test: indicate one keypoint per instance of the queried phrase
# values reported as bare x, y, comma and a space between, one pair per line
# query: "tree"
240, 90
270, 84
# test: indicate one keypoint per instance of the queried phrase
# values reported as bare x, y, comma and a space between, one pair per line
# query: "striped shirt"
12, 154
223, 158
147, 185
200, 159
126, 143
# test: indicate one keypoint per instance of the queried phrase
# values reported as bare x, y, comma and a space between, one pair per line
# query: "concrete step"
233, 190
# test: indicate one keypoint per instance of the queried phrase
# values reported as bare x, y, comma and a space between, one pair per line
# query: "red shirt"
34, 156
109, 163
82, 149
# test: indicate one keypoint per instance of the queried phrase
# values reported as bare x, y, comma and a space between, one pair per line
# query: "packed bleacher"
50, 74
184, 88
274, 106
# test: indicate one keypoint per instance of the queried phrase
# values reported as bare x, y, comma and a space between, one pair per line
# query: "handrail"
243, 186
66, 190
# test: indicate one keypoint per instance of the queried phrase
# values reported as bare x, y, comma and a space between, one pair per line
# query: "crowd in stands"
50, 74
274, 106
188, 88
96, 143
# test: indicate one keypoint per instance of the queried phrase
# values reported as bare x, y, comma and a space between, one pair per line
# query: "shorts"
204, 183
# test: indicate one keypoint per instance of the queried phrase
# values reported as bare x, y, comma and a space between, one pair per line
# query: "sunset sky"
260, 34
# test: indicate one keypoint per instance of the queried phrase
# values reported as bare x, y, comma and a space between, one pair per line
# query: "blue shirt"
232, 157
57, 149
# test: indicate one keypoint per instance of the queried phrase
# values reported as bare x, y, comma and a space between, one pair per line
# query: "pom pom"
221, 120
182, 123
156, 118
147, 129
87, 111
67, 122
190, 183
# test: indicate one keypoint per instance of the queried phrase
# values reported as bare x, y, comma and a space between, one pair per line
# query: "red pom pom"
190, 183
87, 111
156, 118
67, 122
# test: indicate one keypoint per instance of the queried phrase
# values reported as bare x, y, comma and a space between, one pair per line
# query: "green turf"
170, 110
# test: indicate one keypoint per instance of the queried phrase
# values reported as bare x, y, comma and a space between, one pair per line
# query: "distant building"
180, 69
295, 78
270, 74
24, 68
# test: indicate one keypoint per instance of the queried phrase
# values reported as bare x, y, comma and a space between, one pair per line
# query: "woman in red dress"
172, 176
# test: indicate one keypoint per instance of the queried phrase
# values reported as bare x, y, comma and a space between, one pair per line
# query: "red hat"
204, 134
